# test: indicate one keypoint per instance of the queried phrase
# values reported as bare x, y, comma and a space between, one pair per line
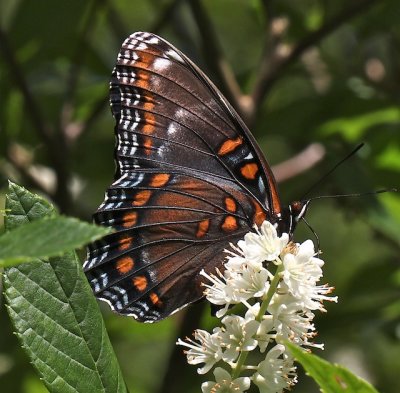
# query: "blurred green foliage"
338, 84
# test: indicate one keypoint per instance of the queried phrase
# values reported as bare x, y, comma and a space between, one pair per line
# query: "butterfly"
190, 179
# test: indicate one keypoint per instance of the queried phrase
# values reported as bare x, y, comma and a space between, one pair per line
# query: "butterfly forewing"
189, 180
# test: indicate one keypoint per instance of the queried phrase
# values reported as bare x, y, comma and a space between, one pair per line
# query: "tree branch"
116, 24
299, 163
32, 109
54, 147
214, 57
75, 68
165, 15
19, 159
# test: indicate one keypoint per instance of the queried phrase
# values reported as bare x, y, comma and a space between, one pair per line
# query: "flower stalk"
280, 307
271, 291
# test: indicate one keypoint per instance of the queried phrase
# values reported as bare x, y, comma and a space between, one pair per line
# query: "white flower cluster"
276, 281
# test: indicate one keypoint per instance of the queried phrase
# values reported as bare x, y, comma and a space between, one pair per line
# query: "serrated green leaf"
55, 315
331, 378
46, 238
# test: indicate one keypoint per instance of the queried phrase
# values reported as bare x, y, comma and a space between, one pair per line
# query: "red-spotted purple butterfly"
190, 179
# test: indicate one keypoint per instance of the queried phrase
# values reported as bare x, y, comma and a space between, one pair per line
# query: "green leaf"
331, 378
354, 127
55, 314
46, 238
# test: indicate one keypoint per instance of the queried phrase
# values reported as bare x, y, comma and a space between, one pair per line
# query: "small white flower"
235, 258
276, 372
291, 321
225, 384
302, 270
237, 335
249, 282
207, 350
301, 273
265, 333
265, 245
219, 292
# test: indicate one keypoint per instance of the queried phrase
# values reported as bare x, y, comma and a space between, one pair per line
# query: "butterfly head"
291, 215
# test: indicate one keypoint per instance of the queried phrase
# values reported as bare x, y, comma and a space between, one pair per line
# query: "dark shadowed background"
312, 78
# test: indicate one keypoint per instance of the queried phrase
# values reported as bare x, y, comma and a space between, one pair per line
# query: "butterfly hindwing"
167, 227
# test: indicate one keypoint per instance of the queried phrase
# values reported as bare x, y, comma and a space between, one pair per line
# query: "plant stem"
272, 289
264, 305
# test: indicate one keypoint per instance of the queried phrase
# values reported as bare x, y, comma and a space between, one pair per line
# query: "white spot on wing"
153, 40
171, 129
161, 64
141, 46
172, 54
161, 151
180, 113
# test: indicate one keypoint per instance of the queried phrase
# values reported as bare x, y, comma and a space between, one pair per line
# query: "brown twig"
32, 108
116, 23
78, 128
268, 9
214, 57
299, 163
272, 68
165, 15
22, 165
75, 69
55, 148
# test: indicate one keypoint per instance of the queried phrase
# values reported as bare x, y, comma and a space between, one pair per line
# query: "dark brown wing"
189, 180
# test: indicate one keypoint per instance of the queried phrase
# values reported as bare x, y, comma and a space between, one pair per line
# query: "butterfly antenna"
341, 196
352, 195
352, 153
314, 233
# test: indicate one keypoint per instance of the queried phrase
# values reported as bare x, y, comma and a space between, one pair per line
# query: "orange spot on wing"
149, 105
129, 219
145, 58
125, 264
249, 171
202, 228
159, 180
259, 215
229, 146
141, 198
229, 224
142, 79
150, 120
230, 204
140, 283
124, 243
147, 144
155, 299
